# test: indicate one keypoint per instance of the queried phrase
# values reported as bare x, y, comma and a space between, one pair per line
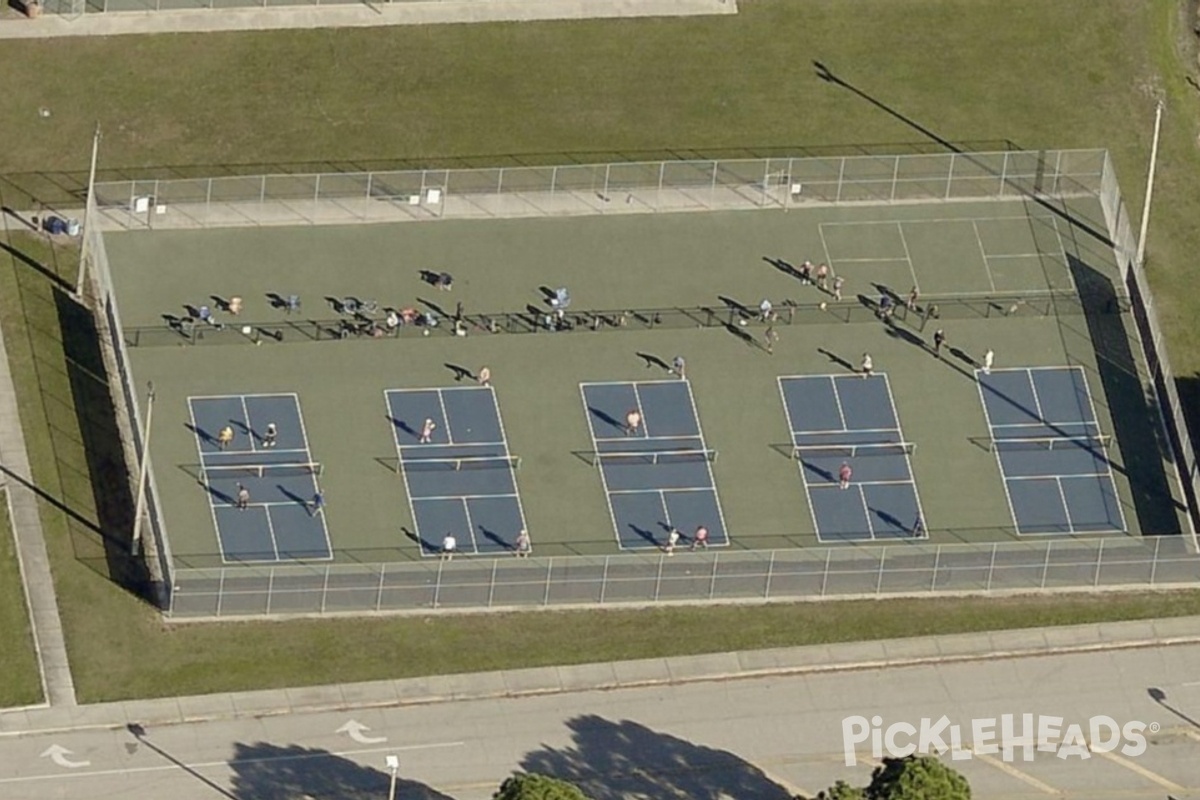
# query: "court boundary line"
645, 426
211, 506
412, 511
712, 479
912, 475
1062, 250
456, 444
249, 423
438, 553
837, 399
587, 411
987, 417
912, 270
445, 417
508, 457
1107, 461
987, 267
316, 481
470, 526
831, 261
464, 496
812, 510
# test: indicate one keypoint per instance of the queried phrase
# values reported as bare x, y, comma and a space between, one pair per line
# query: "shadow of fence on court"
650, 578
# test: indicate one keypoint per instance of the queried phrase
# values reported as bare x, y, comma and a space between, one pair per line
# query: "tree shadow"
617, 760
263, 771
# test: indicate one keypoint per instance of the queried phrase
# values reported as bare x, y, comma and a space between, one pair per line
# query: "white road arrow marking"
58, 754
354, 729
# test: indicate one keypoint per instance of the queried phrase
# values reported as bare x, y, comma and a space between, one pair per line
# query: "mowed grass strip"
1076, 73
19, 681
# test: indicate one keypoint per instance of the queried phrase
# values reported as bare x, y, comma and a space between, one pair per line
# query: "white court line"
925, 220
1107, 461
834, 484
512, 473
1056, 475
626, 383
1014, 255
837, 399
679, 489
211, 505
825, 246
461, 496
612, 512
1063, 497
314, 479
225, 763
445, 418
912, 270
435, 445
862, 499
803, 478
470, 526
1012, 510
887, 385
712, 480
271, 530
1062, 251
871, 260
983, 253
392, 423
249, 426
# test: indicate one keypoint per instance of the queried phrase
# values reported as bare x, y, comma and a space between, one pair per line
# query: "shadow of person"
425, 545
263, 771
654, 361
616, 760
645, 534
836, 359
460, 372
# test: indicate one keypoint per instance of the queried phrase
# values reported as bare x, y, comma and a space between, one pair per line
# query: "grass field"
20, 684
963, 71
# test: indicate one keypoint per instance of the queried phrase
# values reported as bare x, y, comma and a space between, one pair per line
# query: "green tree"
841, 791
917, 778
531, 786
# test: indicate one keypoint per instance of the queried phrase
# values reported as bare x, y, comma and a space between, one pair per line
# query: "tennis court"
657, 475
1051, 451
462, 481
848, 424
280, 520
519, 454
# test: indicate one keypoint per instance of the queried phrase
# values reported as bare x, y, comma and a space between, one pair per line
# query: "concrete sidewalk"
373, 14
886, 654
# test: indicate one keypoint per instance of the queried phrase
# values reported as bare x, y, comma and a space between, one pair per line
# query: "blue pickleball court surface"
278, 524
463, 481
1052, 454
659, 477
851, 420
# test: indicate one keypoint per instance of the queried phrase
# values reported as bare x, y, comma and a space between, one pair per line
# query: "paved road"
755, 738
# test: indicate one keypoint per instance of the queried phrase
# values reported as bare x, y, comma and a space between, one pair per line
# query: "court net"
804, 452
247, 471
1049, 444
650, 458
458, 464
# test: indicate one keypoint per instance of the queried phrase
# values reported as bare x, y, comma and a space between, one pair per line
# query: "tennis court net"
803, 452
246, 471
650, 458
1051, 444
458, 464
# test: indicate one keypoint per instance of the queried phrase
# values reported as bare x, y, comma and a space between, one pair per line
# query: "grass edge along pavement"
120, 648
21, 684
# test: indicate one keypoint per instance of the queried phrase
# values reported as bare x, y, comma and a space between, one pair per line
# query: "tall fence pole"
88, 210
1140, 260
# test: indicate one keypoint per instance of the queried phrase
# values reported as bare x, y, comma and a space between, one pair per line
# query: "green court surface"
1003, 275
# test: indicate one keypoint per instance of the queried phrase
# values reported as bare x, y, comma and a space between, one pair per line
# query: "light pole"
140, 508
393, 763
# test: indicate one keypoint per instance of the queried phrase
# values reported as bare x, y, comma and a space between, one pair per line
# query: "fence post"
437, 583
841, 177
712, 583
604, 580
1046, 563
662, 169
825, 576
770, 571
262, 194
379, 591
1004, 176
221, 592
492, 585
367, 197
325, 590
316, 197
937, 562
950, 176
270, 588
499, 182
549, 573
208, 201
553, 182
607, 170
895, 177
766, 180
658, 578
992, 566
787, 190
712, 188
1154, 561
879, 579
1099, 562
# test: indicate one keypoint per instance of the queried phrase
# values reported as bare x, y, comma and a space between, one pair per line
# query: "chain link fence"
653, 578
729, 575
657, 186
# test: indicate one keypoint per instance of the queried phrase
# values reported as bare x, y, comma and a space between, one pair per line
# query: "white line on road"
1133, 766
1009, 769
228, 762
